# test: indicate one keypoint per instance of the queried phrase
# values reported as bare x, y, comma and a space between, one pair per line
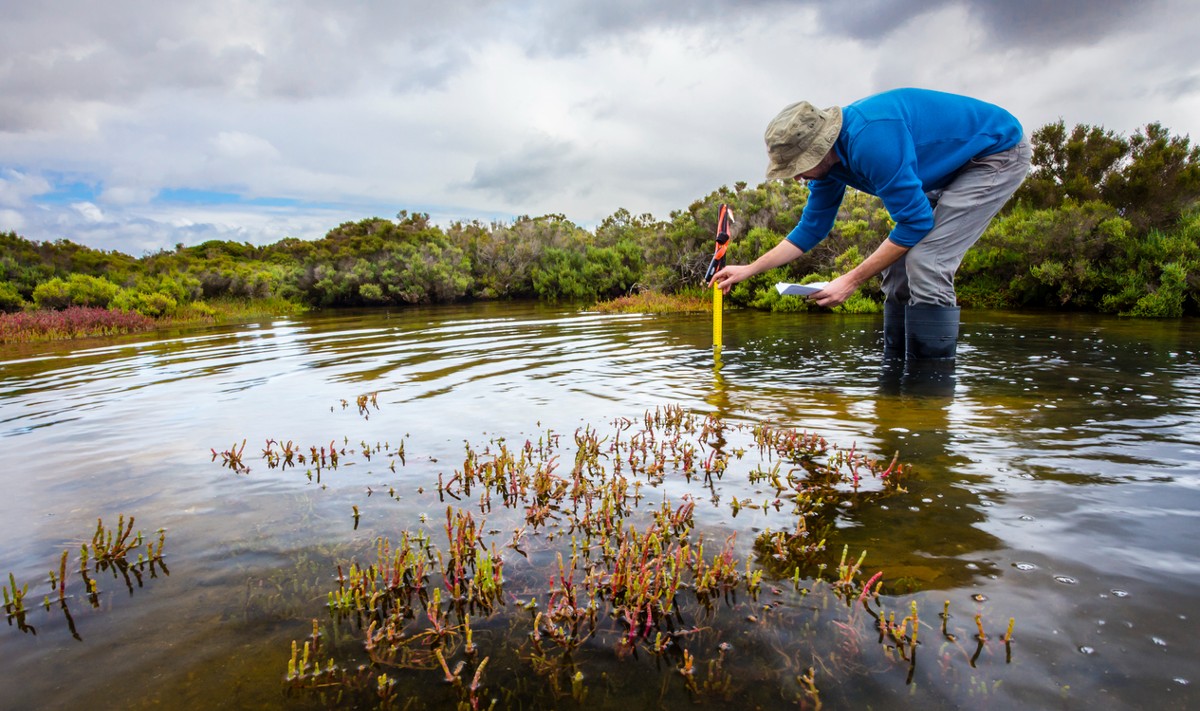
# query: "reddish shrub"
72, 322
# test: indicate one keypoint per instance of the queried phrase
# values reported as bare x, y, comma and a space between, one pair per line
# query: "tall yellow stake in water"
724, 220
717, 304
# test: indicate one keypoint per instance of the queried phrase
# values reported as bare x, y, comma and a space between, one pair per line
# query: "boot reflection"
934, 538
934, 378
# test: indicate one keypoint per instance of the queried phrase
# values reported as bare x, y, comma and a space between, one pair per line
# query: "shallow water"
1054, 474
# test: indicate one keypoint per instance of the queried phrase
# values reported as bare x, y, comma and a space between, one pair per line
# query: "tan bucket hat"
799, 137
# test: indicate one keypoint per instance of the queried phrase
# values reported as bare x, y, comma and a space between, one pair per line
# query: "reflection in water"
1061, 447
718, 400
942, 541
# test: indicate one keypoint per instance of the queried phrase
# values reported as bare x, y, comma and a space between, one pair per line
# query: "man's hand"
730, 275
778, 255
836, 292
842, 287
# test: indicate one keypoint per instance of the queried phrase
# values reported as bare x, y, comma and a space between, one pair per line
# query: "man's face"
820, 170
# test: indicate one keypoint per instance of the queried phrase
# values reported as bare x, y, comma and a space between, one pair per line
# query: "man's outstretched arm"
841, 288
777, 256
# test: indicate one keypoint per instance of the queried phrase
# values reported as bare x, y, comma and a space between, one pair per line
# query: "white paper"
786, 289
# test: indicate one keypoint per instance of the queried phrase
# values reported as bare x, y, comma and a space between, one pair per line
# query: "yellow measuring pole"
724, 220
717, 316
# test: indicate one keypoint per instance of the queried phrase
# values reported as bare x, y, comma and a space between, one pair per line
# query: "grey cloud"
18, 115
57, 63
1051, 23
1021, 23
108, 74
872, 19
115, 52
118, 50
571, 26
320, 48
1179, 86
538, 169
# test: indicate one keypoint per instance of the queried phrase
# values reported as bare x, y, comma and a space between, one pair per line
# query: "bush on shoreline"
655, 302
71, 322
93, 321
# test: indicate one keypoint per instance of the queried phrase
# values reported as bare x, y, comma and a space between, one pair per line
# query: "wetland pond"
521, 506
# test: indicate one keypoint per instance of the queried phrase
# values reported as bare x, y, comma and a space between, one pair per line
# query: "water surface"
1054, 474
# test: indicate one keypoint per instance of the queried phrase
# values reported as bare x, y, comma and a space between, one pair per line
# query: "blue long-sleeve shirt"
898, 145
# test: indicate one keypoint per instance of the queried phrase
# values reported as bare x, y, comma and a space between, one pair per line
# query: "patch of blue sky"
66, 192
274, 202
196, 196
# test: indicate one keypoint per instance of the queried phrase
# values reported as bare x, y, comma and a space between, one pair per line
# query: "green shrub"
559, 277
77, 290
769, 299
52, 294
371, 293
1044, 257
10, 298
1166, 301
859, 303
154, 304
613, 270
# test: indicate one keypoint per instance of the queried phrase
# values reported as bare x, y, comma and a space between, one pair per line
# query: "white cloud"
17, 187
237, 145
11, 221
88, 211
126, 195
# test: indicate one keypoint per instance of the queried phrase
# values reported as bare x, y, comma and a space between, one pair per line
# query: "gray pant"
962, 211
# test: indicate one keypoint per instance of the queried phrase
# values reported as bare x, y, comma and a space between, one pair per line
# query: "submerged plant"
611, 564
110, 550
111, 547
14, 602
232, 458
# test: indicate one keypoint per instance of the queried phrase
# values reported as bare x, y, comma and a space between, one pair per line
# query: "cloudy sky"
136, 125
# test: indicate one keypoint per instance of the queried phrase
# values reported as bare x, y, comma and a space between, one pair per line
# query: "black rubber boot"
931, 332
893, 330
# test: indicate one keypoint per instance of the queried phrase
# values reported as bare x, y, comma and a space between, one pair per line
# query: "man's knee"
931, 280
894, 282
